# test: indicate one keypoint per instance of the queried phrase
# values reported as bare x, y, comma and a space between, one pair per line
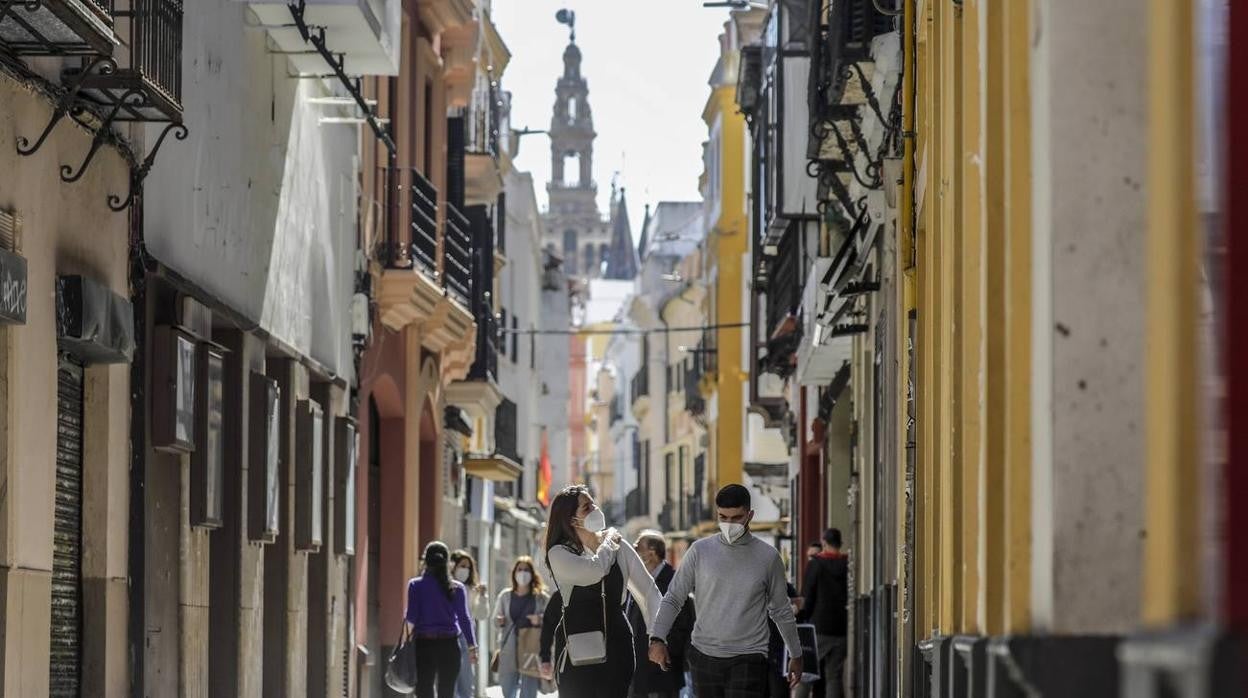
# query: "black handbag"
401, 667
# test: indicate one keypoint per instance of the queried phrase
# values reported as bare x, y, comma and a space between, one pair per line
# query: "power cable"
666, 330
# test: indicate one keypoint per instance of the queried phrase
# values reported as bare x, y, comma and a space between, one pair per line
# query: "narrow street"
846, 348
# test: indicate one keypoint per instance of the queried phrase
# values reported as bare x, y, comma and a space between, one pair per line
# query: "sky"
647, 63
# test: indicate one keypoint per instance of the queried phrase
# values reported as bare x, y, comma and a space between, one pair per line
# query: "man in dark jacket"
649, 681
826, 594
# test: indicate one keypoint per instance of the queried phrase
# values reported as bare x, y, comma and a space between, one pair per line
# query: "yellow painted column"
995, 328
970, 198
949, 242
1172, 584
1017, 232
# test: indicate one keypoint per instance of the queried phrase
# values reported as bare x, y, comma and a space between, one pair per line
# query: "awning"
496, 467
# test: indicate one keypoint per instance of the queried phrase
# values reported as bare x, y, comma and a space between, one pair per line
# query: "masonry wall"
66, 229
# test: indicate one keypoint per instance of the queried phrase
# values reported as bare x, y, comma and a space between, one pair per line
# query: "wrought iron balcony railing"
485, 366
481, 230
784, 279
505, 432
144, 85
424, 223
57, 27
148, 86
483, 122
411, 228
457, 255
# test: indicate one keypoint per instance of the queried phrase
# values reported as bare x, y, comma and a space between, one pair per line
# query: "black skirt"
584, 614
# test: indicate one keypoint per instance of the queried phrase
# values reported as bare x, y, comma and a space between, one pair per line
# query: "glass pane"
184, 403
215, 448
271, 480
348, 506
318, 475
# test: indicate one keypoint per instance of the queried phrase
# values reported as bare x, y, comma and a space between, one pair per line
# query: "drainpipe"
136, 562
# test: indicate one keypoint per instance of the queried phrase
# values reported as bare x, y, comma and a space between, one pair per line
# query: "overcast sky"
647, 63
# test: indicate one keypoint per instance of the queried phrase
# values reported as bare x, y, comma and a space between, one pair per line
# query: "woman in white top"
464, 569
593, 569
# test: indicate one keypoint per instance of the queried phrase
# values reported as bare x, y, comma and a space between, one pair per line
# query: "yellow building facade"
727, 246
1039, 503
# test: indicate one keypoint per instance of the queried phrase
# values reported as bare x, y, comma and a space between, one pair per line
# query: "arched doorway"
383, 570
430, 493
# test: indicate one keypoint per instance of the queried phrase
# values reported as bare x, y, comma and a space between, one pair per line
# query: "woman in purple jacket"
437, 612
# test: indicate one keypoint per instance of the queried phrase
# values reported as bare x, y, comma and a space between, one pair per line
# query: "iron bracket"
315, 35
68, 104
868, 91
101, 135
139, 174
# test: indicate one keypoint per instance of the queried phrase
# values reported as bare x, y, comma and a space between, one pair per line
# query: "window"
265, 439
174, 371
309, 475
347, 448
208, 460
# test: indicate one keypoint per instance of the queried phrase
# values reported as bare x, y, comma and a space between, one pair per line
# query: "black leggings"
437, 664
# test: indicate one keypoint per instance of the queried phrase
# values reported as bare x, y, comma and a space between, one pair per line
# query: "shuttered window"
65, 663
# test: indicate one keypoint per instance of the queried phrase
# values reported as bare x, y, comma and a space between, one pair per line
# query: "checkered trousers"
744, 676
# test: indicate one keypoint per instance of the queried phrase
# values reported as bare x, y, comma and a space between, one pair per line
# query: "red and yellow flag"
543, 472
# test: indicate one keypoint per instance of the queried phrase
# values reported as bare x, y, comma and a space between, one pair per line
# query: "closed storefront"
66, 653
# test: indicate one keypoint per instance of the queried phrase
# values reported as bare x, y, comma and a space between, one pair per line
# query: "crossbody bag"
587, 648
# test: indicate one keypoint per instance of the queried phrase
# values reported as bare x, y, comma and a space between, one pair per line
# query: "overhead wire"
629, 331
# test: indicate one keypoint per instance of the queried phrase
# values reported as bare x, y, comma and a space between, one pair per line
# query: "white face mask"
731, 531
595, 521
523, 577
462, 574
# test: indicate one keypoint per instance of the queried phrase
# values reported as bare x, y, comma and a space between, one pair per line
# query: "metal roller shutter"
66, 654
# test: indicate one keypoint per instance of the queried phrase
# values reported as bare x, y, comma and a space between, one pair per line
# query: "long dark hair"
436, 556
559, 528
459, 556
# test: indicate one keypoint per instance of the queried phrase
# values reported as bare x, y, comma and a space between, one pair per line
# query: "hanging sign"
12, 288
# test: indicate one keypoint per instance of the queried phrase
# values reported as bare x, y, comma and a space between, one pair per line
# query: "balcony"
441, 15
503, 465
479, 392
366, 33
457, 255
639, 391
147, 84
481, 231
414, 287
695, 404
57, 27
781, 279
482, 144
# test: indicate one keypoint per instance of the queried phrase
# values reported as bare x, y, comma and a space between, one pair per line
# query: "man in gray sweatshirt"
739, 582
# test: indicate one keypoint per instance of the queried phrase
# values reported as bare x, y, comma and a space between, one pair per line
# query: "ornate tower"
574, 225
